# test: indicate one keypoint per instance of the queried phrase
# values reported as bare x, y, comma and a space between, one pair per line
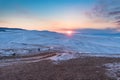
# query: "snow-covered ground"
113, 70
26, 42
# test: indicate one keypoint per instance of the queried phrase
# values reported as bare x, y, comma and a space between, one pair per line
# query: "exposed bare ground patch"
87, 68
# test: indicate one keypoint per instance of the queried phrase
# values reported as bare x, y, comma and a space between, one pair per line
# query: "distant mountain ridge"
100, 32
87, 31
3, 29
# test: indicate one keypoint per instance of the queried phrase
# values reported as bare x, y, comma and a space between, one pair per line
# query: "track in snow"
7, 62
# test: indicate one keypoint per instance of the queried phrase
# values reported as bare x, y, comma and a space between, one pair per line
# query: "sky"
52, 15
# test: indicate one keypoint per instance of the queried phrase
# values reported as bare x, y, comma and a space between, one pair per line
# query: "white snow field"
30, 41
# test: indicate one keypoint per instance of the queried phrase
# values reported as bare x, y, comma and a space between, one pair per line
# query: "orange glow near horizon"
58, 24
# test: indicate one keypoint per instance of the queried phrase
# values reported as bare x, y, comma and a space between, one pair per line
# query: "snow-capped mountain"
15, 40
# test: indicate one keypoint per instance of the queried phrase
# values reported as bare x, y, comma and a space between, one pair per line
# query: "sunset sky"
52, 15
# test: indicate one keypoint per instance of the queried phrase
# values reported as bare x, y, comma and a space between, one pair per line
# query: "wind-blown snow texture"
17, 39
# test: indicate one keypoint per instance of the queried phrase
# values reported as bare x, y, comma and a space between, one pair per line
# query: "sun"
69, 33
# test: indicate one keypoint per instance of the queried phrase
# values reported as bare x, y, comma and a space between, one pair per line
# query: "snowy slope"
23, 41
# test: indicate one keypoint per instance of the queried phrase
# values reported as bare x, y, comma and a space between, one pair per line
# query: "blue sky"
53, 15
40, 6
